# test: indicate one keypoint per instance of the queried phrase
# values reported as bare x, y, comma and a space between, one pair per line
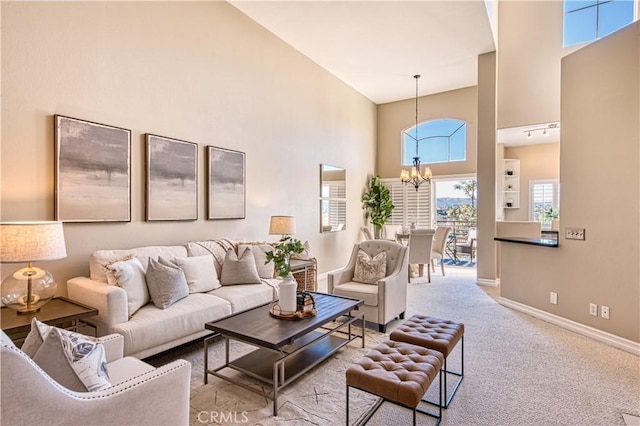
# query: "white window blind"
543, 195
409, 206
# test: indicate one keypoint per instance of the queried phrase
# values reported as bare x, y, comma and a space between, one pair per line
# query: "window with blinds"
543, 194
410, 206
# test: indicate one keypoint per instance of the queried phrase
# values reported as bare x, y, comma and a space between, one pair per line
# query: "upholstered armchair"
140, 394
384, 300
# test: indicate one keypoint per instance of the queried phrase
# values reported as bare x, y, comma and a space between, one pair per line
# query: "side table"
305, 272
59, 312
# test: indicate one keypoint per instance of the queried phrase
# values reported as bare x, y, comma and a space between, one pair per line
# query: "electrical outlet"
574, 233
553, 298
604, 312
593, 309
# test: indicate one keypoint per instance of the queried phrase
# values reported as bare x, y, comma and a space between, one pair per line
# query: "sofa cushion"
366, 292
130, 275
200, 272
101, 258
167, 284
265, 270
370, 269
245, 296
239, 269
151, 326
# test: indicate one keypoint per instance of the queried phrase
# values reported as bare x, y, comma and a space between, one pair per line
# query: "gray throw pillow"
167, 284
239, 270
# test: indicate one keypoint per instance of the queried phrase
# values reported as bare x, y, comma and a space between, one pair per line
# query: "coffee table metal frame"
279, 363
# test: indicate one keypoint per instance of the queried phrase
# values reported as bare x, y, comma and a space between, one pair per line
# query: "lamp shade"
31, 241
282, 225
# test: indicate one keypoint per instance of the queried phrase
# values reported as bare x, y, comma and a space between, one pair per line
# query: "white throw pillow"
239, 270
200, 273
369, 270
129, 274
265, 270
306, 253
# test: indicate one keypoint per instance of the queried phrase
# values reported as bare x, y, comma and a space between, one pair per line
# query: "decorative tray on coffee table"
306, 308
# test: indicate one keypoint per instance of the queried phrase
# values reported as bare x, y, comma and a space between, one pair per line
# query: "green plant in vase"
281, 255
377, 205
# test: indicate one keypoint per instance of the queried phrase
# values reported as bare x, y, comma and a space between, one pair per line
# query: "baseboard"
488, 283
602, 336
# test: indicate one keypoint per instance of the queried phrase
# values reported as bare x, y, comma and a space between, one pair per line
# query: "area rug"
518, 371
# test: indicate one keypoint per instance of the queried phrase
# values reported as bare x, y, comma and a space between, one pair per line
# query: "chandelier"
417, 176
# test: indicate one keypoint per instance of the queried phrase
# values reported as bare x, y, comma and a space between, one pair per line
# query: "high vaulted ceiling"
377, 46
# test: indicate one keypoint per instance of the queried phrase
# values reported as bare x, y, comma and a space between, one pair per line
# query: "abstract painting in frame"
92, 171
172, 179
226, 183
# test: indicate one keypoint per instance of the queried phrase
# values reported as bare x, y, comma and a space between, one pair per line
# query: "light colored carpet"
518, 371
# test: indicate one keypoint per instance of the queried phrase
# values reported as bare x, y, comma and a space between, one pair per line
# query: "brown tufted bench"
397, 372
438, 334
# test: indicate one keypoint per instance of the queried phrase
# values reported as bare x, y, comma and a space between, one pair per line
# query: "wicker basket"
307, 278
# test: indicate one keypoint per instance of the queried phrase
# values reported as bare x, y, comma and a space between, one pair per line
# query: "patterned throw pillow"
240, 270
75, 361
369, 270
167, 284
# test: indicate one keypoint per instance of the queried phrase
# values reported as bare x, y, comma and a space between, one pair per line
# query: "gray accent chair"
140, 395
385, 300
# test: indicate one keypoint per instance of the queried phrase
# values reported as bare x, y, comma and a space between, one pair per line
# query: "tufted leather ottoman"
397, 372
438, 334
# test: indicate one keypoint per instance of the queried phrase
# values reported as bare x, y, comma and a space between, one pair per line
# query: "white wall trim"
488, 283
602, 336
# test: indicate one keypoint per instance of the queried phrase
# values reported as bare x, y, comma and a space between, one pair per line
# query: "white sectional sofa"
151, 330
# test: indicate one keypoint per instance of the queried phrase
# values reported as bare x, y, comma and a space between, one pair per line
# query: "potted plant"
281, 257
377, 205
551, 214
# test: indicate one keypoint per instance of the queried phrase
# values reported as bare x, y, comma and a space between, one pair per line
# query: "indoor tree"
377, 205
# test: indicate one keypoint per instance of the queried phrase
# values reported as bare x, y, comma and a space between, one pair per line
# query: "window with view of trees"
439, 141
586, 21
544, 201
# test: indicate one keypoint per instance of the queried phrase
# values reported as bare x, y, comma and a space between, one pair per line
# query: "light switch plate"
574, 233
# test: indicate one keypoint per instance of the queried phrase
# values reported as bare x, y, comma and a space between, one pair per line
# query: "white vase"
288, 303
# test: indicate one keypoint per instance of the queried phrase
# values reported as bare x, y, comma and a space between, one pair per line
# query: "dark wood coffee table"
286, 349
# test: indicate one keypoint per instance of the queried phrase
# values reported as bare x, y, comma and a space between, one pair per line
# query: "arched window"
439, 141
586, 21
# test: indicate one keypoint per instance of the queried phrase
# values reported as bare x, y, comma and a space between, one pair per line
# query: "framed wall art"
226, 183
172, 179
92, 171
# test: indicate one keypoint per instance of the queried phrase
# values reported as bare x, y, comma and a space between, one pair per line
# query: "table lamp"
27, 289
282, 225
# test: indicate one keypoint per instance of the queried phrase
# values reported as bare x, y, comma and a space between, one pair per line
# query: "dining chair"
420, 243
366, 233
439, 243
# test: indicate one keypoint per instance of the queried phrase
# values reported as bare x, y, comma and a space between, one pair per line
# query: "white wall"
197, 71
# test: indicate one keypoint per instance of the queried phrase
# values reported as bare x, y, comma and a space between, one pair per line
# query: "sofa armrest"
343, 275
110, 300
113, 346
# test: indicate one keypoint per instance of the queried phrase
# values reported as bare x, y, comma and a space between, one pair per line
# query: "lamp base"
27, 290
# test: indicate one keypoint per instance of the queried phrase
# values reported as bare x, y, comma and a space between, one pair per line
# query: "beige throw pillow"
265, 270
129, 275
239, 270
370, 270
